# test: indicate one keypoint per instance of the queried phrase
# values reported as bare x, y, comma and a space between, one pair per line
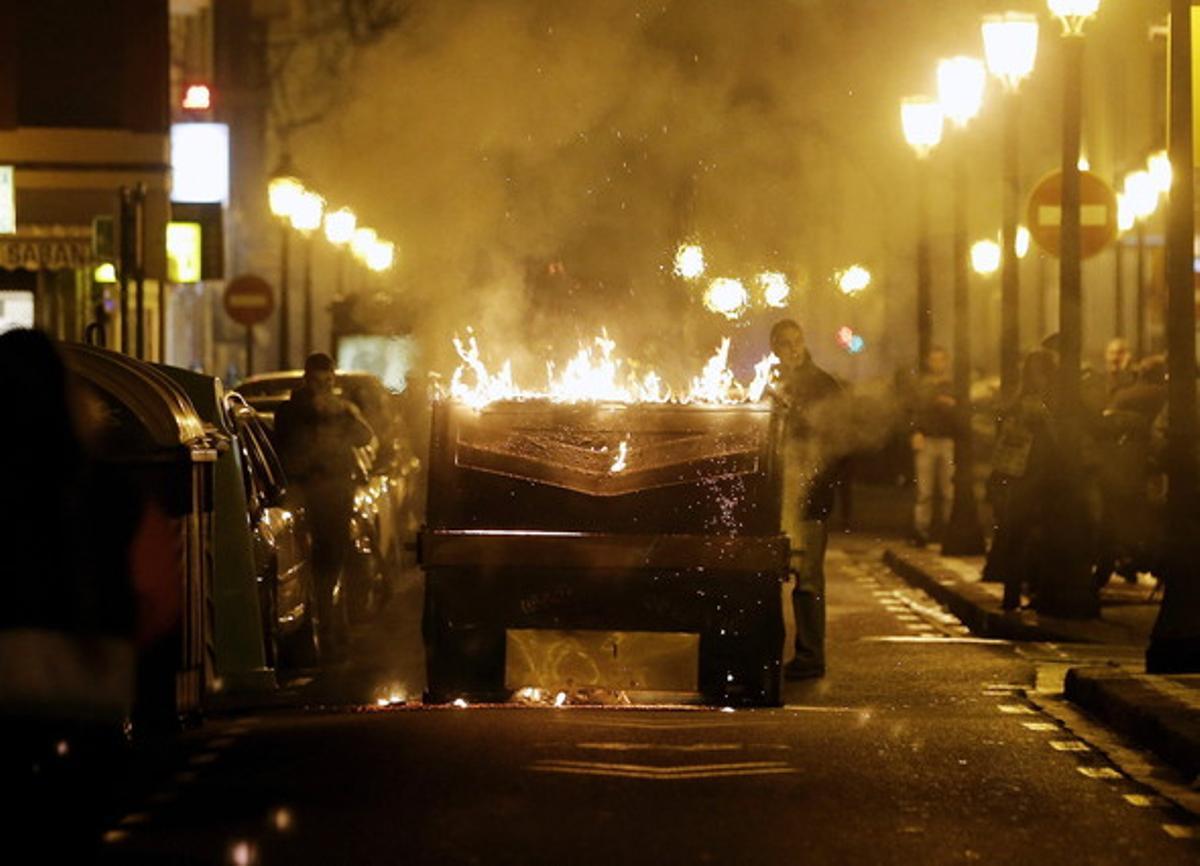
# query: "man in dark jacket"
802, 390
317, 432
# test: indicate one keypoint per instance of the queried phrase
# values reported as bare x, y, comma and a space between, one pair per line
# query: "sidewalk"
1160, 713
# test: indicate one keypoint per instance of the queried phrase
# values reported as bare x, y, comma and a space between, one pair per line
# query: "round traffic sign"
249, 300
1097, 214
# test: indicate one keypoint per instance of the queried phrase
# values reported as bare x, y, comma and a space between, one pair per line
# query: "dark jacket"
933, 415
800, 392
315, 447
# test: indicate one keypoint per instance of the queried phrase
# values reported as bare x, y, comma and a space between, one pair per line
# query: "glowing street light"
1141, 193
1125, 215
689, 261
1073, 14
922, 119
961, 82
1074, 592
853, 280
361, 242
282, 194
1010, 43
1159, 167
985, 257
339, 226
1022, 242
380, 256
307, 210
923, 122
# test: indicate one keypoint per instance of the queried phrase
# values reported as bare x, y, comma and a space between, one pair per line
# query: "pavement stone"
1160, 713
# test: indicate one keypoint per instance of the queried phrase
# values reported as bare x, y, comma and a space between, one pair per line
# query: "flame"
595, 373
622, 452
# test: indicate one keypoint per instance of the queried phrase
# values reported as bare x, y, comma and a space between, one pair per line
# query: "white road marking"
905, 638
1099, 772
1180, 831
1144, 801
114, 836
1015, 709
658, 773
186, 776
221, 743
1040, 726
1069, 746
135, 818
203, 758
657, 747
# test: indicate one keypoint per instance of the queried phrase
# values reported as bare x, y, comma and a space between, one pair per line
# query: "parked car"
380, 520
261, 545
282, 547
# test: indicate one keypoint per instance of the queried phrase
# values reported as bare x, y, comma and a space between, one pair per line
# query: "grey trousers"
808, 595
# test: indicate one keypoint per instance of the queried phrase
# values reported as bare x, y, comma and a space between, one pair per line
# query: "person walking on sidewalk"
810, 482
317, 432
934, 426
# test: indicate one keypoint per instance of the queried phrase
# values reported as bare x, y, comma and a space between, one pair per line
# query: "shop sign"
45, 254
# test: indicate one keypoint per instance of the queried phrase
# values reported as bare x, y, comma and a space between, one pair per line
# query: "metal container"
604, 518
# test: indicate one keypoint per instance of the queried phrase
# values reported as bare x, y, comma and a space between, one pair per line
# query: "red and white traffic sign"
1097, 214
249, 300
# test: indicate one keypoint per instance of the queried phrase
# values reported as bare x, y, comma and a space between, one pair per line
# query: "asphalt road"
915, 748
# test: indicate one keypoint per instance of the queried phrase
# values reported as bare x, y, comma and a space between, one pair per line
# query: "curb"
1132, 706
976, 608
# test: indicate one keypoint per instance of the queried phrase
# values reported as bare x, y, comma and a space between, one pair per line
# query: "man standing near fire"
810, 482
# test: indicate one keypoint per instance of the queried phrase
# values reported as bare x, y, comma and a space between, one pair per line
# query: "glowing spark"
853, 280
622, 452
726, 296
689, 261
560, 699
775, 289
460, 703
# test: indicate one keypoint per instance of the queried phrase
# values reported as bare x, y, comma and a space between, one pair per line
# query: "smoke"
537, 163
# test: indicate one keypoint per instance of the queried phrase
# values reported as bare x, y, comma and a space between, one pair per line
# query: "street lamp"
923, 121
306, 219
1010, 44
1175, 640
381, 256
339, 231
1140, 195
961, 81
986, 256
1072, 592
283, 192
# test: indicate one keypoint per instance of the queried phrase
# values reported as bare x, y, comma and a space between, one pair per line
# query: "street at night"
922, 744
599, 431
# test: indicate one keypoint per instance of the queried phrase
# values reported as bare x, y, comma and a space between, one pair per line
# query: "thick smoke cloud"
490, 138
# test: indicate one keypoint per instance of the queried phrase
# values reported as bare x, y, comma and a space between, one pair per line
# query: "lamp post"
306, 219
1175, 640
282, 194
1010, 45
1072, 592
1141, 197
961, 81
339, 230
922, 120
1125, 221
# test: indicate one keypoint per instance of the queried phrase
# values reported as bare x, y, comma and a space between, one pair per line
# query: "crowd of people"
1119, 490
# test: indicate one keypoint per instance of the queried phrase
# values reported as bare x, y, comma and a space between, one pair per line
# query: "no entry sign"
249, 300
1097, 214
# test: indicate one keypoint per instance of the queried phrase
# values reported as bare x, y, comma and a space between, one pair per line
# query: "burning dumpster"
641, 541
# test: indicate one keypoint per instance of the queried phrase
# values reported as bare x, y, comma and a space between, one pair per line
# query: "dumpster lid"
148, 411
